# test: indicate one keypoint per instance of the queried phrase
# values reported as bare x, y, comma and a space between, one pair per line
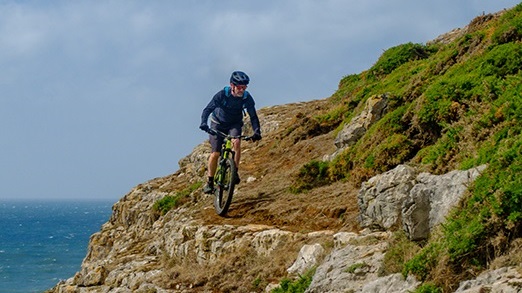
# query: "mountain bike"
226, 172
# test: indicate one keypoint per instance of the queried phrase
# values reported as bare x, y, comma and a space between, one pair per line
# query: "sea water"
43, 242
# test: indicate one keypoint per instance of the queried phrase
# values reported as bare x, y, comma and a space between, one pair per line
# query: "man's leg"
212, 166
212, 163
236, 130
236, 145
215, 143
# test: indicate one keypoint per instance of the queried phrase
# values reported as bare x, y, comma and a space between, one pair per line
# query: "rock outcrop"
416, 202
375, 108
138, 250
128, 254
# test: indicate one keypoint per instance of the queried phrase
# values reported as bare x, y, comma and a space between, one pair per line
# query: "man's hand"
204, 127
256, 137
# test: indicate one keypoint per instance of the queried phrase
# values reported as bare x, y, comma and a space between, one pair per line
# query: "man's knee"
236, 143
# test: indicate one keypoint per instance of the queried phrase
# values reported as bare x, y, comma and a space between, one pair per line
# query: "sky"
97, 97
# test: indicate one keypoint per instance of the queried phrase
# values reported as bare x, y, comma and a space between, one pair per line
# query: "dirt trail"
274, 163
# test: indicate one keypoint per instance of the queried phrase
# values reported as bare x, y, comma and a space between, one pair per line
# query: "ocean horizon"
45, 241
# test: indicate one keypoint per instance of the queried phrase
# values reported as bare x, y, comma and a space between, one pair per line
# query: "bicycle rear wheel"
225, 186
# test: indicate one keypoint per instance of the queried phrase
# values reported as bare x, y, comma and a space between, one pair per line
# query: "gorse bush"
396, 56
510, 29
311, 175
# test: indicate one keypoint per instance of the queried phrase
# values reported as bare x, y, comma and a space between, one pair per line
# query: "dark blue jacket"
228, 110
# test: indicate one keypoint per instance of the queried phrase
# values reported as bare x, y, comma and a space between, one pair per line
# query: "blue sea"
43, 242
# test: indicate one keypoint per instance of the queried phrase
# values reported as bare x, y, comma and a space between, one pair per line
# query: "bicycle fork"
220, 177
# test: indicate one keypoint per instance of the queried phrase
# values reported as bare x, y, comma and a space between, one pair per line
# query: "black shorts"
216, 141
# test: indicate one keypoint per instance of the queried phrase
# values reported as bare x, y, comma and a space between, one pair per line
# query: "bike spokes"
224, 186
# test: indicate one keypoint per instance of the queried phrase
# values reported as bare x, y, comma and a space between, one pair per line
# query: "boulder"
350, 267
374, 110
432, 198
380, 199
308, 257
416, 202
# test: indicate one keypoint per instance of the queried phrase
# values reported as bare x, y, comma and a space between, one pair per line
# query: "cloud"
98, 96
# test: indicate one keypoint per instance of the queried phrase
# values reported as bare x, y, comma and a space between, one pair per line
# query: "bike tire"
225, 187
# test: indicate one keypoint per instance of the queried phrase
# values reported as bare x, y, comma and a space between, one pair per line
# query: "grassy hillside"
455, 103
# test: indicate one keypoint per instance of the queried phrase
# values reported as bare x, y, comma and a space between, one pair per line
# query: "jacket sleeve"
254, 120
212, 105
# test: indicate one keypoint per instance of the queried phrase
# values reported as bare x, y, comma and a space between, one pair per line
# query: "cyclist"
226, 115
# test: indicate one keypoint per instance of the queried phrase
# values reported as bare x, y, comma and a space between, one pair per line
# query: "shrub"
298, 286
438, 155
311, 175
398, 55
165, 204
400, 251
493, 211
428, 288
510, 28
356, 266
423, 262
502, 60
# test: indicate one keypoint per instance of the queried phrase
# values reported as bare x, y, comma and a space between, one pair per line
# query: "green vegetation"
311, 175
394, 57
401, 250
353, 268
169, 202
452, 105
428, 288
298, 286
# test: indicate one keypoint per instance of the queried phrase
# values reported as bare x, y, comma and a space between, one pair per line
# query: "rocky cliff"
329, 233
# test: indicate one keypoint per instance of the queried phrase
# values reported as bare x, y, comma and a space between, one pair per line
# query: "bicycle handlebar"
224, 135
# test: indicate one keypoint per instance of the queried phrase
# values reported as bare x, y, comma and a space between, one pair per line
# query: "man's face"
238, 90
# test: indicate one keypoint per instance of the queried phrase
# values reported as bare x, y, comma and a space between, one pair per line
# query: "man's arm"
254, 120
212, 105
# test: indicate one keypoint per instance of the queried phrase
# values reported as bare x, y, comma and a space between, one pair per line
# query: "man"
226, 115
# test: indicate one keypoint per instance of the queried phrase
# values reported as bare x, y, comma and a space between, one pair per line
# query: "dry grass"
240, 271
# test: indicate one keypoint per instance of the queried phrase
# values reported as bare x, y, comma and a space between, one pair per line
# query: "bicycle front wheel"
225, 186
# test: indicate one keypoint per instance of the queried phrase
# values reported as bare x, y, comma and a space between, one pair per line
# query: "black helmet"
239, 78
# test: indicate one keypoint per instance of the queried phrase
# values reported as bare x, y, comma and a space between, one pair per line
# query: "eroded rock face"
355, 261
393, 283
126, 255
308, 257
503, 280
380, 199
432, 198
375, 108
416, 202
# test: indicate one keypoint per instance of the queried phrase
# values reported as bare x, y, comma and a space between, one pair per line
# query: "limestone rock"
503, 280
375, 108
432, 198
308, 257
347, 269
380, 199
415, 202
391, 284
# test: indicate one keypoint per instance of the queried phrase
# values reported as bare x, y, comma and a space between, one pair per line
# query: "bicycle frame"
226, 172
226, 152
